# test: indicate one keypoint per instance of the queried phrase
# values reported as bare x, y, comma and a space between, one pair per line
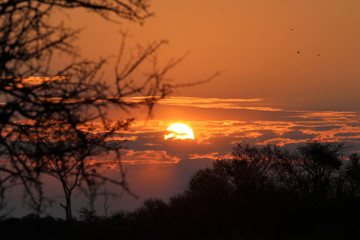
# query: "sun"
179, 131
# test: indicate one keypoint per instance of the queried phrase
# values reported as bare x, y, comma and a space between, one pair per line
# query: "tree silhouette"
312, 168
320, 161
46, 117
28, 39
68, 158
264, 187
253, 166
352, 176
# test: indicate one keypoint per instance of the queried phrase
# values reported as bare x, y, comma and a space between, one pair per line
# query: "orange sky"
253, 43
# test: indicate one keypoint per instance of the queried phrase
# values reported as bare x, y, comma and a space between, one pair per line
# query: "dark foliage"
256, 195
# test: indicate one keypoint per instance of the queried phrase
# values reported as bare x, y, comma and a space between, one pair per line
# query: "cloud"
328, 116
256, 104
214, 139
212, 156
220, 103
219, 123
147, 157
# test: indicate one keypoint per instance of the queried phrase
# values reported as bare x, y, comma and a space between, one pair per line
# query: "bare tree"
28, 39
45, 126
70, 159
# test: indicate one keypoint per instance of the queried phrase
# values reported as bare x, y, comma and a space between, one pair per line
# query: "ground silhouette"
262, 193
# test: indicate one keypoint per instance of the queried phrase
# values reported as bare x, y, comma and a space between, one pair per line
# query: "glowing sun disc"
179, 131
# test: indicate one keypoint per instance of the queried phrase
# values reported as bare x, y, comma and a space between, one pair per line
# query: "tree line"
263, 192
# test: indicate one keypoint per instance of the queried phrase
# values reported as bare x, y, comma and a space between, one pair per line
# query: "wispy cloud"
219, 103
147, 157
256, 104
327, 116
212, 156
215, 138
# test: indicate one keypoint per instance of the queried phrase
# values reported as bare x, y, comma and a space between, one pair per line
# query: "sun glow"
179, 131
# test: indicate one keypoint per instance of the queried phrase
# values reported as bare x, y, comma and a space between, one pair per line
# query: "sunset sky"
290, 72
